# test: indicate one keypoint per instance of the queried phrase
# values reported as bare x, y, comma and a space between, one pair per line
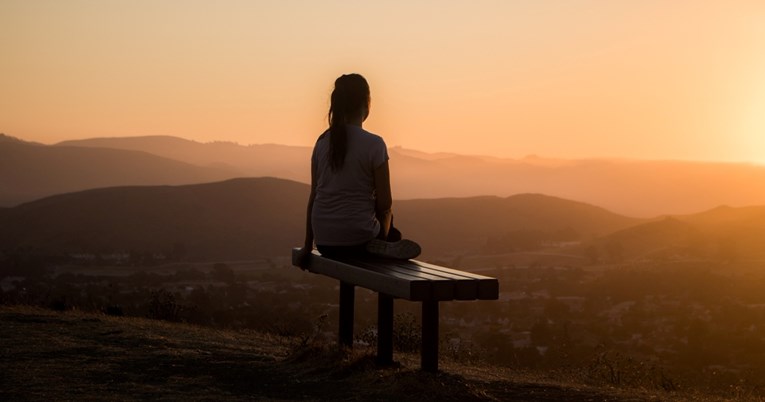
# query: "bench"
410, 280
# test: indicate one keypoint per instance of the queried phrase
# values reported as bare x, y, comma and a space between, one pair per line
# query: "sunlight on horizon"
584, 79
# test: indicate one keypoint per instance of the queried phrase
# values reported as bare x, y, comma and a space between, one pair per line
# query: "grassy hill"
261, 217
78, 356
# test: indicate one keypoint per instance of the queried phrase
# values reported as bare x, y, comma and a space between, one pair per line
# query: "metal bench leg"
345, 332
429, 361
384, 329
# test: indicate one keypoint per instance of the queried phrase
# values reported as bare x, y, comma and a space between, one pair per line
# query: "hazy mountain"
228, 220
631, 187
725, 216
723, 233
733, 232
245, 218
635, 188
8, 138
29, 171
458, 224
667, 236
271, 160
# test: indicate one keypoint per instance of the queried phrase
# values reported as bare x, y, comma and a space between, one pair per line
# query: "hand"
303, 257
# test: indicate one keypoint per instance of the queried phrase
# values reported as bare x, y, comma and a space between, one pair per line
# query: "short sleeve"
379, 153
316, 150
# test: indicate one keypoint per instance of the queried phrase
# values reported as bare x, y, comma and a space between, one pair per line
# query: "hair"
350, 99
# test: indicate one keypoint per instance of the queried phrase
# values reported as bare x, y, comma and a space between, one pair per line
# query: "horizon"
580, 80
423, 151
633, 187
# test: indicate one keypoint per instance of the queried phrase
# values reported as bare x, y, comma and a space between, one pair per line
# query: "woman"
349, 209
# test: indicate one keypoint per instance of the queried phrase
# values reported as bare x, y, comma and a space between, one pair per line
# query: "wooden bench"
410, 280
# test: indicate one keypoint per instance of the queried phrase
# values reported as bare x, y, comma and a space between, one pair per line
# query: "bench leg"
429, 361
384, 329
345, 331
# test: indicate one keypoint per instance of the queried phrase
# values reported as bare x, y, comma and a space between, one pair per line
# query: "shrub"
163, 306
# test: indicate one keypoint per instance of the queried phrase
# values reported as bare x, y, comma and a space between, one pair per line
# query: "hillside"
458, 224
642, 188
30, 171
723, 233
654, 238
286, 162
246, 218
241, 218
79, 356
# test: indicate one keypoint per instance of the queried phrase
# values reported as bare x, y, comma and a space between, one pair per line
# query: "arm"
383, 199
308, 243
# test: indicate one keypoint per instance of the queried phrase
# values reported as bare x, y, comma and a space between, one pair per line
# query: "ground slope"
46, 355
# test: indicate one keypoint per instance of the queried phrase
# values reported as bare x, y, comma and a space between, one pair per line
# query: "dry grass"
45, 355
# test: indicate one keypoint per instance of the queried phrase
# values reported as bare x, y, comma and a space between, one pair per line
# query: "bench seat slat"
451, 270
421, 267
468, 286
440, 289
396, 285
464, 289
409, 279
488, 288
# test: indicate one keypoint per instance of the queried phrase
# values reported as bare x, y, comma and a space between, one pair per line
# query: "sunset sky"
636, 79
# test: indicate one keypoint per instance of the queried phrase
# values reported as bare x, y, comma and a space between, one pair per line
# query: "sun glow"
748, 123
652, 80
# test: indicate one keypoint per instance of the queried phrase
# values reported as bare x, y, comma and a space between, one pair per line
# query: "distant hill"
641, 188
732, 233
29, 171
241, 218
286, 162
457, 224
725, 216
723, 233
648, 240
8, 138
246, 218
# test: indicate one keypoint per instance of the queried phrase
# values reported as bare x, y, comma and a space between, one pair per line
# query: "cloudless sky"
570, 78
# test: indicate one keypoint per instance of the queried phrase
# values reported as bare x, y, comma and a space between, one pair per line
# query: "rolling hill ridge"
261, 217
29, 171
641, 188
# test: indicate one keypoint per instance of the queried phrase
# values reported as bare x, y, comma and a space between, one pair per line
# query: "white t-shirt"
344, 208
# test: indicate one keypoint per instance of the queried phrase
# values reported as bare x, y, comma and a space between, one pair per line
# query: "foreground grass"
45, 355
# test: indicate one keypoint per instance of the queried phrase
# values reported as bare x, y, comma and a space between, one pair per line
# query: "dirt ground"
47, 355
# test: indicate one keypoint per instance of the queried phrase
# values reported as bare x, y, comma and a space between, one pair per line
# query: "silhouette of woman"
349, 209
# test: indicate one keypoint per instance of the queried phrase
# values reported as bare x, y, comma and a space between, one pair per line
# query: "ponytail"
349, 99
338, 134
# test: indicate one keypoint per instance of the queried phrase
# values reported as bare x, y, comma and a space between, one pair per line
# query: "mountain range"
240, 218
641, 188
261, 217
29, 171
444, 212
265, 217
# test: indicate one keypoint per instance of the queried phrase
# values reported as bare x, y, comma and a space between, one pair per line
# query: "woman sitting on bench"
349, 208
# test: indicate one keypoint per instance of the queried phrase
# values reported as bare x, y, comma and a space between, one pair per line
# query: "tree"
223, 273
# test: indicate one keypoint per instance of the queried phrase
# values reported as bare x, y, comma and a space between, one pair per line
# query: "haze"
579, 79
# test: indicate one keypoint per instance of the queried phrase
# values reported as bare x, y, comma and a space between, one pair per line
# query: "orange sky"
639, 79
